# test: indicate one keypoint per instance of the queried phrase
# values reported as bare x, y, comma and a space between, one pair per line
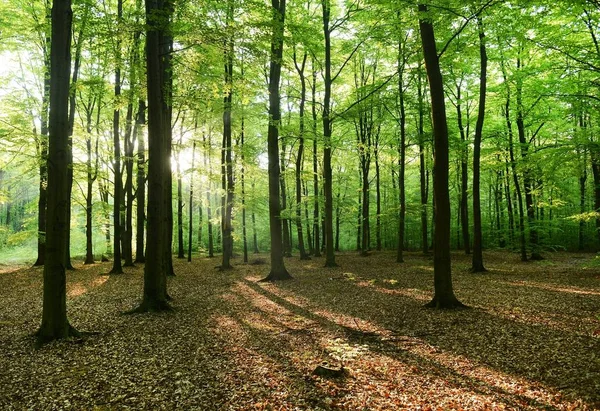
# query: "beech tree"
55, 324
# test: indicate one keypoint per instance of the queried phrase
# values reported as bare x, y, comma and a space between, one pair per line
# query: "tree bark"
477, 263
191, 205
300, 157
422, 166
444, 295
117, 268
155, 277
141, 184
316, 217
327, 126
278, 270
55, 324
226, 159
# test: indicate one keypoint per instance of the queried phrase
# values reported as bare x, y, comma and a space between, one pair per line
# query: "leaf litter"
529, 341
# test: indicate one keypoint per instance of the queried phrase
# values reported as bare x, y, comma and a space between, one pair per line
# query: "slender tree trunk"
254, 235
91, 177
316, 218
43, 153
422, 166
300, 156
464, 176
180, 244
378, 199
477, 263
55, 324
444, 295
287, 245
327, 126
401, 153
226, 159
207, 165
127, 219
141, 184
309, 239
118, 184
278, 270
527, 177
243, 182
191, 205
582, 182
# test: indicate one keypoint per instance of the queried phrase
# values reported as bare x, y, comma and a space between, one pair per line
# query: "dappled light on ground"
75, 289
234, 343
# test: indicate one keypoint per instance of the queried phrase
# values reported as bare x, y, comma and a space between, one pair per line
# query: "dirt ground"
530, 339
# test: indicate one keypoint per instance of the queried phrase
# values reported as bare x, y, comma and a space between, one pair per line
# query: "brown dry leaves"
529, 342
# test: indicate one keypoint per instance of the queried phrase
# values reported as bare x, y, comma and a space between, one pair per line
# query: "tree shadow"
562, 358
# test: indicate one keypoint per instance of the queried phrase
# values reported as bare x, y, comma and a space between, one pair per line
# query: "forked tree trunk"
444, 295
278, 270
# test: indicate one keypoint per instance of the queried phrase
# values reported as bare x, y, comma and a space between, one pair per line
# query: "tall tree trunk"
43, 154
287, 244
91, 177
118, 184
401, 152
582, 182
141, 184
127, 218
464, 175
254, 235
278, 270
477, 263
378, 199
55, 324
316, 218
300, 156
423, 178
155, 277
180, 244
243, 182
226, 159
207, 165
527, 177
309, 239
191, 205
327, 126
444, 295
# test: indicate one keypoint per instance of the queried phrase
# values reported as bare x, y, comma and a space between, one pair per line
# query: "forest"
323, 204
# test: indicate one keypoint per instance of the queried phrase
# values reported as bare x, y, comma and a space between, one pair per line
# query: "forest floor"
530, 340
